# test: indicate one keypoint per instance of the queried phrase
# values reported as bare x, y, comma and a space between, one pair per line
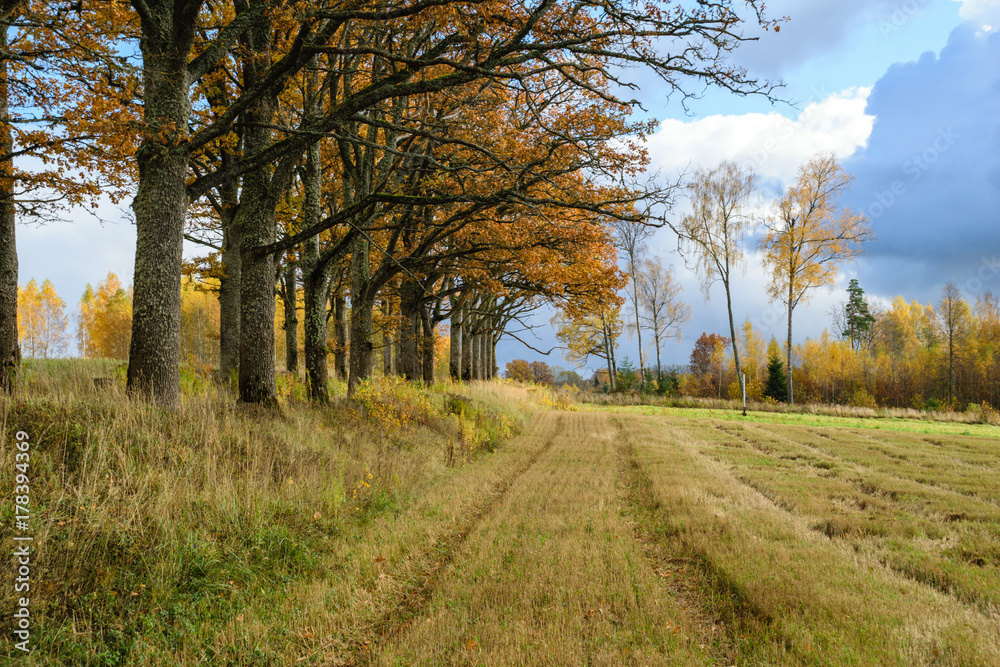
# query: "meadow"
496, 524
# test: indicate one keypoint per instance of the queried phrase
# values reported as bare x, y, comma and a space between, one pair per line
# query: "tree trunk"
362, 303
10, 349
638, 326
397, 350
467, 340
316, 288
315, 278
611, 354
788, 351
609, 351
455, 352
477, 353
732, 338
161, 202
409, 331
258, 199
256, 299
341, 337
291, 299
427, 346
229, 302
493, 353
951, 368
610, 362
388, 340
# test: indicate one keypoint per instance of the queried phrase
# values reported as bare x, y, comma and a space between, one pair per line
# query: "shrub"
862, 399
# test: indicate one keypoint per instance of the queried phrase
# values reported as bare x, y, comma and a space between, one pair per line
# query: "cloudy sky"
905, 92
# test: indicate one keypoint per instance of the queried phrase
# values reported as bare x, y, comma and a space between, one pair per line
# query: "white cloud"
775, 146
984, 12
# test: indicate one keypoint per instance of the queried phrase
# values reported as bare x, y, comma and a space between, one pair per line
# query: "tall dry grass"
154, 528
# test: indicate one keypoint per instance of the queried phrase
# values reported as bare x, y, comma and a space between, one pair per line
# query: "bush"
628, 378
862, 399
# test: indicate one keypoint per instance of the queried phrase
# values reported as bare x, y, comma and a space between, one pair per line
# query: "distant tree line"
908, 354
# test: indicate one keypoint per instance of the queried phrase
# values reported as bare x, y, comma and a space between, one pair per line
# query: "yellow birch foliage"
199, 323
809, 235
753, 350
41, 320
28, 317
105, 320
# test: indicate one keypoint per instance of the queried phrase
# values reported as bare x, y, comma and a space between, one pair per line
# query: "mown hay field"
824, 544
412, 527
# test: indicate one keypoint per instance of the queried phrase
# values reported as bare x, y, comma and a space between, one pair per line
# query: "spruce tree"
858, 318
777, 382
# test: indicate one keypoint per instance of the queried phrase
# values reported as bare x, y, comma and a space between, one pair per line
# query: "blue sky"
905, 92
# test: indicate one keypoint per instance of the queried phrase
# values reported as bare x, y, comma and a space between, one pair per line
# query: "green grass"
412, 526
904, 425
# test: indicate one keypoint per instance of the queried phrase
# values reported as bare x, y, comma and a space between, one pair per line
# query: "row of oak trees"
433, 151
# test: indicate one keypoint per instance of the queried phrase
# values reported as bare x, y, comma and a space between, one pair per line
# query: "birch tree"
662, 311
714, 231
809, 236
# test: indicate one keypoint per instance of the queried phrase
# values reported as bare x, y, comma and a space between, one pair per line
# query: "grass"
976, 414
414, 526
902, 424
187, 536
814, 559
552, 575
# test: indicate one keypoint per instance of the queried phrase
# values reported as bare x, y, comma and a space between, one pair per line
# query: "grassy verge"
902, 424
975, 415
205, 534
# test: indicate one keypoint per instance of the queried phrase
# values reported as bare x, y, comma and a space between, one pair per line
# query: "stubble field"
598, 536
646, 539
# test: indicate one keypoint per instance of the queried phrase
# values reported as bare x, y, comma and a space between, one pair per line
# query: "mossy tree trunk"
468, 342
229, 296
10, 349
409, 331
256, 217
455, 353
315, 274
290, 298
161, 201
363, 293
388, 339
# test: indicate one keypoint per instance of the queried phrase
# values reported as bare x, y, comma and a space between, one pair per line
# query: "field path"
552, 573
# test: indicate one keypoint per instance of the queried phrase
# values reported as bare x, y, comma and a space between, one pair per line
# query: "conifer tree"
777, 381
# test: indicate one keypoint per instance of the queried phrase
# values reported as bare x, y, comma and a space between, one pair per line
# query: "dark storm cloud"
929, 178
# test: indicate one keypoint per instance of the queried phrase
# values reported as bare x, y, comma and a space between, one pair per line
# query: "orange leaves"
65, 68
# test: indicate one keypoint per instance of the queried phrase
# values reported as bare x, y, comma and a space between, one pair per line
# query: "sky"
906, 93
